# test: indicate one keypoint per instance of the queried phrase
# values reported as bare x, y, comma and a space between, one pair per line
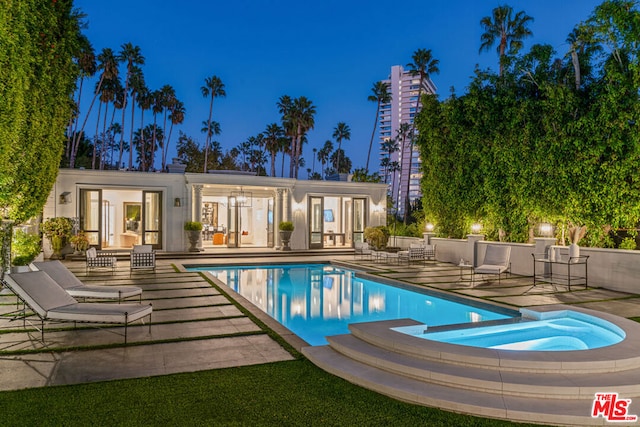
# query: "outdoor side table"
563, 271
463, 266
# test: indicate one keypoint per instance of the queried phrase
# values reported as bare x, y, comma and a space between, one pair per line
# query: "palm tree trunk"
133, 109
143, 161
273, 164
103, 146
76, 143
373, 134
208, 139
95, 143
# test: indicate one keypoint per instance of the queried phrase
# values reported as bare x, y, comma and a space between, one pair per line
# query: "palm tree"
272, 136
509, 30
213, 87
423, 65
109, 65
87, 67
210, 127
132, 56
176, 117
145, 101
168, 96
157, 105
340, 132
313, 163
404, 138
304, 112
136, 84
380, 96
285, 108
324, 153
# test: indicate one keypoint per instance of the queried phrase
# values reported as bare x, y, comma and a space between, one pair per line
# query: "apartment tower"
403, 87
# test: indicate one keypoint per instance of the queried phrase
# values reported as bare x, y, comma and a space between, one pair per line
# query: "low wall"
615, 269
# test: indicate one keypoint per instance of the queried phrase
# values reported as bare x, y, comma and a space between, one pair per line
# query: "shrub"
377, 236
25, 247
193, 226
285, 226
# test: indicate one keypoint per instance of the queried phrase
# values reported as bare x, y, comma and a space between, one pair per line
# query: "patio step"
549, 387
574, 412
511, 383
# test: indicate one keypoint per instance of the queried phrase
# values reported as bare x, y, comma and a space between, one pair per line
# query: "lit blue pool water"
319, 300
556, 331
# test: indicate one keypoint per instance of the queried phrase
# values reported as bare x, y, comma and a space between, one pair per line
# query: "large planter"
194, 237
56, 246
285, 236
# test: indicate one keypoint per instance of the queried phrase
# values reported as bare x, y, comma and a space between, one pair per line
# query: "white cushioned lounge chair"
496, 261
49, 301
70, 283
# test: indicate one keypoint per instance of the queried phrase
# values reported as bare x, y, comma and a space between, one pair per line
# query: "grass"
294, 393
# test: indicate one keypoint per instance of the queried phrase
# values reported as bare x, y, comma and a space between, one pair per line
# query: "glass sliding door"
91, 215
152, 218
316, 223
359, 219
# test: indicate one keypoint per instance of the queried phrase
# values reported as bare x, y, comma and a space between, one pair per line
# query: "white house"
118, 209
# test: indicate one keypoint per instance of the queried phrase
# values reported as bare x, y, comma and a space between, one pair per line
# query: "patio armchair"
49, 301
416, 252
362, 249
143, 257
100, 259
74, 287
496, 261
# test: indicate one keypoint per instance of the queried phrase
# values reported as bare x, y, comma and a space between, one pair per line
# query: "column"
196, 209
279, 215
472, 248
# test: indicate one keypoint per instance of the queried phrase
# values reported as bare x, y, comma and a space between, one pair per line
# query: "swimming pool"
551, 331
319, 300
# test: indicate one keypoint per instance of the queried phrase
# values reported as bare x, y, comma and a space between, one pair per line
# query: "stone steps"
549, 387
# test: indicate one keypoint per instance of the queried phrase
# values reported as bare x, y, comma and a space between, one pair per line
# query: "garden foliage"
551, 140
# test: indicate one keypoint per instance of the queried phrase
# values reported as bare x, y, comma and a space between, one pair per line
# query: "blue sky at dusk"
330, 51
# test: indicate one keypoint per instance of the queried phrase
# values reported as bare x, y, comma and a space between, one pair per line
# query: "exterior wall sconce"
545, 229
65, 198
296, 207
177, 202
476, 227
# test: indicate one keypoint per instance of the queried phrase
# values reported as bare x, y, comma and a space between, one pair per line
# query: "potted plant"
80, 242
193, 229
377, 237
25, 248
58, 231
286, 228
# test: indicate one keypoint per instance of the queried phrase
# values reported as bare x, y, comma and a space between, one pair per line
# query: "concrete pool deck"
195, 327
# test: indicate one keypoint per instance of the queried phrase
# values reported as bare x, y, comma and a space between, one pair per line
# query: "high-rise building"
404, 106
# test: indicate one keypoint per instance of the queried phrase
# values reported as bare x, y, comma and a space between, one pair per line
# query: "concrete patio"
196, 327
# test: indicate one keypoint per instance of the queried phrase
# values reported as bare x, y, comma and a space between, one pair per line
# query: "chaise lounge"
70, 283
49, 301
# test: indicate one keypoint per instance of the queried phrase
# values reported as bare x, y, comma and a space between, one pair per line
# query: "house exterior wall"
181, 192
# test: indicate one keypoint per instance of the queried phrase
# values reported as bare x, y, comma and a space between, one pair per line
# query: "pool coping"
613, 358
298, 343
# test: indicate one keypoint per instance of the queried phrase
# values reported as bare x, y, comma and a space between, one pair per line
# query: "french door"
359, 219
91, 216
152, 218
316, 222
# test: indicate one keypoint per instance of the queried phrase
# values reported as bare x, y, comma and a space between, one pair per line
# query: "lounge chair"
100, 259
143, 257
70, 283
496, 261
49, 301
414, 253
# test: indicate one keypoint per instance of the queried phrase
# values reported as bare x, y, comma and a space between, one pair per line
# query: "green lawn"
277, 394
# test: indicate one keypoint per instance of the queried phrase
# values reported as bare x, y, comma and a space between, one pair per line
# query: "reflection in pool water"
319, 300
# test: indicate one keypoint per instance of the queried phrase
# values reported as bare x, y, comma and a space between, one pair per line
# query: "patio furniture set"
142, 257
415, 253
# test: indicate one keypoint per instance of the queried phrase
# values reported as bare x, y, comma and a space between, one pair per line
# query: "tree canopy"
40, 43
531, 145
